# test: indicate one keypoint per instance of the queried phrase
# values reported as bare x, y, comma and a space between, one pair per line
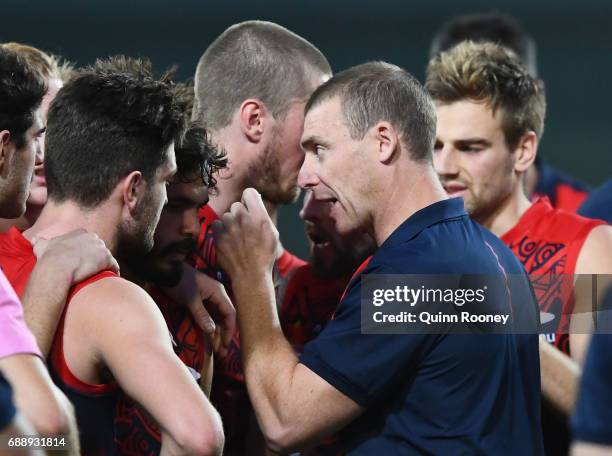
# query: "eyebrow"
310, 140
474, 142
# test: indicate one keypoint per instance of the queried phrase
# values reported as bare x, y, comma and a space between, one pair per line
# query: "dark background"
574, 40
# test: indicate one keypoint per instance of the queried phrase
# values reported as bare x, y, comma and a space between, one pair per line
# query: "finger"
236, 208
251, 198
224, 314
202, 317
114, 265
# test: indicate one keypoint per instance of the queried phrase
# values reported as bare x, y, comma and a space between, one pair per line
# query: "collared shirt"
434, 393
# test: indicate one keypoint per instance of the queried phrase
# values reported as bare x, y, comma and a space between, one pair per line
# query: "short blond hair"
492, 74
48, 65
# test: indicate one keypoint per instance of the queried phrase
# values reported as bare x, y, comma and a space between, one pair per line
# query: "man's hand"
246, 239
209, 304
80, 253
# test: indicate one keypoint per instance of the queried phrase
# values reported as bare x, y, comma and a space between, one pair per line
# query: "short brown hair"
490, 73
377, 91
254, 59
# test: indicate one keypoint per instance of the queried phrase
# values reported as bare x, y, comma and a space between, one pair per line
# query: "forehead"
465, 118
325, 119
37, 121
195, 191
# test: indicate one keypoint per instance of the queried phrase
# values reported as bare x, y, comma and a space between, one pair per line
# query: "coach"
368, 138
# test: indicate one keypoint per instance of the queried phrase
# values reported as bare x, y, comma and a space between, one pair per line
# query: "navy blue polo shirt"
599, 203
592, 419
434, 393
7, 410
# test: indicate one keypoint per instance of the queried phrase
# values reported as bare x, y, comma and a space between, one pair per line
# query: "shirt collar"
424, 218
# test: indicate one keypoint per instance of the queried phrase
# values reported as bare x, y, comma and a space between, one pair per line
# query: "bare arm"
18, 428
206, 375
39, 400
590, 449
62, 261
594, 258
286, 395
560, 377
140, 356
560, 373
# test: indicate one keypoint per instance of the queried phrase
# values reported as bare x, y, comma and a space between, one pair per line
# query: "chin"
38, 196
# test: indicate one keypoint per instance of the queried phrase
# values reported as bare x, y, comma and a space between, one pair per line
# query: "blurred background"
574, 51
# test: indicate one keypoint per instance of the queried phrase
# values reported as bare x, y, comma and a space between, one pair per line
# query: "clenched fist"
246, 239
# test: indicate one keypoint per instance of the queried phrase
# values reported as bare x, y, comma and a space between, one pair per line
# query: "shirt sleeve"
7, 409
592, 420
15, 337
365, 367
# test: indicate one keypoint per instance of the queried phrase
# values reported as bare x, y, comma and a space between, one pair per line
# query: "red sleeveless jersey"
94, 403
109, 421
288, 263
548, 241
308, 304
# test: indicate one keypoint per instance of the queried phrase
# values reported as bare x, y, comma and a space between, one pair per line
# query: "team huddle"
147, 305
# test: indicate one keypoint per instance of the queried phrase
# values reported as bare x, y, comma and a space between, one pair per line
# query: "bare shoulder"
594, 257
116, 302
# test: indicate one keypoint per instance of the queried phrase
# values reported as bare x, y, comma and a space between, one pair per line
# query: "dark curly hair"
110, 119
21, 91
197, 158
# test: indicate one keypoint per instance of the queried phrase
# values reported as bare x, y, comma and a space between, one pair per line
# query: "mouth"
39, 174
178, 256
454, 189
317, 239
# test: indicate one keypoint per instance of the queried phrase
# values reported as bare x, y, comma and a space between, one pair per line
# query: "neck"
403, 200
531, 179
57, 219
227, 193
507, 214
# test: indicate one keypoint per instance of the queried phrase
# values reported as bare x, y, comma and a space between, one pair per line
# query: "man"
109, 157
310, 295
51, 71
256, 115
541, 179
61, 261
490, 118
368, 136
175, 240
